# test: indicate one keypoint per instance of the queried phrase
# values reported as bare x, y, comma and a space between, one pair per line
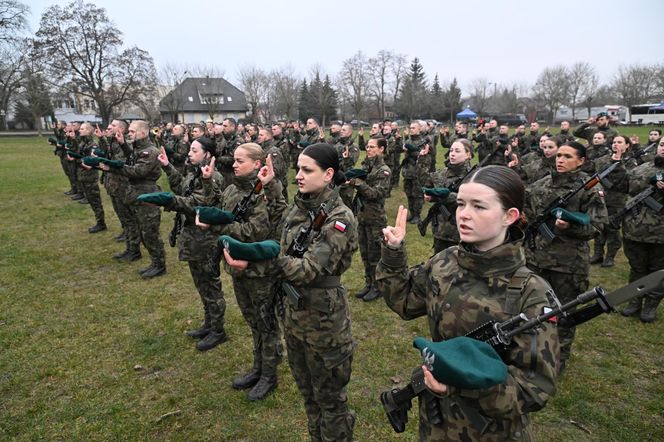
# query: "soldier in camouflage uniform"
616, 187
143, 170
596, 150
310, 135
374, 132
654, 136
643, 234
445, 233
369, 207
348, 156
392, 153
88, 177
318, 334
564, 135
254, 288
177, 148
597, 124
530, 141
335, 132
463, 287
59, 151
266, 141
446, 140
197, 246
564, 262
281, 142
540, 165
226, 147
414, 169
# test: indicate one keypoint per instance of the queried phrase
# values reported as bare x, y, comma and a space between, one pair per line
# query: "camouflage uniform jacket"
651, 152
645, 225
446, 140
309, 136
226, 145
178, 152
116, 185
194, 244
414, 165
535, 170
372, 191
460, 289
347, 163
278, 160
563, 137
61, 140
142, 169
530, 142
568, 252
283, 145
594, 153
586, 131
446, 228
324, 323
85, 147
615, 184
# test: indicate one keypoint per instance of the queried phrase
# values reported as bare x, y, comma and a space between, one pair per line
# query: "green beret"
411, 147
91, 161
68, 144
157, 198
116, 164
52, 140
214, 215
572, 217
356, 173
73, 154
655, 178
303, 143
250, 251
436, 192
602, 114
463, 362
99, 152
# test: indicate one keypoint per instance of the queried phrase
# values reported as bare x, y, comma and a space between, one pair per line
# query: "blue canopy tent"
466, 114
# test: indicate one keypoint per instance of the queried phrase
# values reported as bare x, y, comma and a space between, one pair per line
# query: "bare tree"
479, 94
209, 90
254, 82
354, 79
81, 48
13, 56
12, 19
552, 88
286, 88
399, 68
379, 76
635, 84
171, 76
583, 81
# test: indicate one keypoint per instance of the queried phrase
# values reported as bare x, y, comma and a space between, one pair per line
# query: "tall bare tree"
81, 48
552, 88
479, 94
171, 76
354, 80
286, 88
13, 19
399, 68
379, 77
583, 82
254, 82
13, 56
635, 84
209, 89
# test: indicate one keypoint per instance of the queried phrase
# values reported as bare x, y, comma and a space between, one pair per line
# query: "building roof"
189, 92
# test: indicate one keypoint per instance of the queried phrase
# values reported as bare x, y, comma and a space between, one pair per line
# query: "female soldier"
541, 165
195, 245
253, 291
444, 229
317, 329
370, 192
643, 234
564, 261
465, 286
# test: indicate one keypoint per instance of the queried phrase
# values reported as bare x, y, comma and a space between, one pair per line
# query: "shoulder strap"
514, 290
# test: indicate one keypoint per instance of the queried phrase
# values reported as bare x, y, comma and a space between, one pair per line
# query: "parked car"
513, 120
356, 123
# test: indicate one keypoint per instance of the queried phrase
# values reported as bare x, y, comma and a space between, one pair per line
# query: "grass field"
90, 351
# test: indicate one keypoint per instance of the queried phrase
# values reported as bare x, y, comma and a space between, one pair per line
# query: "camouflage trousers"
208, 285
610, 237
566, 287
127, 215
370, 235
644, 258
413, 192
256, 299
346, 193
121, 211
91, 193
394, 162
69, 168
148, 220
322, 382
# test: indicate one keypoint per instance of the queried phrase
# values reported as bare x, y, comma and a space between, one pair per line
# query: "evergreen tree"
436, 105
411, 102
452, 100
304, 104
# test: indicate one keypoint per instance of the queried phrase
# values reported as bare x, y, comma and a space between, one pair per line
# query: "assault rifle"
634, 204
297, 249
541, 223
439, 206
240, 212
397, 402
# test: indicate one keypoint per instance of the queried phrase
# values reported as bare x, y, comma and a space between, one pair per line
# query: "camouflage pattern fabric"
586, 131
88, 180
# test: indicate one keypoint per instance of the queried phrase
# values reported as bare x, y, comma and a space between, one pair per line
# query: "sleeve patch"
340, 226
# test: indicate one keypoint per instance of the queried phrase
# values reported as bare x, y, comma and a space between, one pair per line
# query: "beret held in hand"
99, 152
355, 173
214, 215
573, 217
411, 147
116, 164
250, 251
73, 154
462, 362
436, 192
157, 198
52, 141
91, 161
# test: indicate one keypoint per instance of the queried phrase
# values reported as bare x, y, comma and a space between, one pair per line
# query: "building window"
191, 99
229, 99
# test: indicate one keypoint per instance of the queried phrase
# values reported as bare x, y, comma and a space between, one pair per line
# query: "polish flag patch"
340, 226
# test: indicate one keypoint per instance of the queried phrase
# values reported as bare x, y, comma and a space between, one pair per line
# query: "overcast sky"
503, 41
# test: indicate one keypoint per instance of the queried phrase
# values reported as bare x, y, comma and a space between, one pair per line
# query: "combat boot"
649, 310
608, 262
211, 340
77, 196
99, 227
632, 308
156, 269
248, 379
373, 294
83, 201
121, 237
70, 192
264, 386
415, 219
364, 291
199, 333
130, 255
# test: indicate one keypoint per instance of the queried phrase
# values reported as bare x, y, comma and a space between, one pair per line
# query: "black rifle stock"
397, 402
634, 204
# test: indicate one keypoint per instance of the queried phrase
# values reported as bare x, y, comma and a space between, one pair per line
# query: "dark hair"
507, 184
580, 148
326, 156
207, 144
628, 142
659, 131
382, 142
231, 121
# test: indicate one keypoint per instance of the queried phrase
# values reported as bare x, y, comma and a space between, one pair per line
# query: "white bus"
646, 113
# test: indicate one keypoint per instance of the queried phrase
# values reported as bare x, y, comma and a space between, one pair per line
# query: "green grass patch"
90, 351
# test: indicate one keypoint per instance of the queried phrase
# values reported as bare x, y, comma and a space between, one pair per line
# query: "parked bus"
649, 113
